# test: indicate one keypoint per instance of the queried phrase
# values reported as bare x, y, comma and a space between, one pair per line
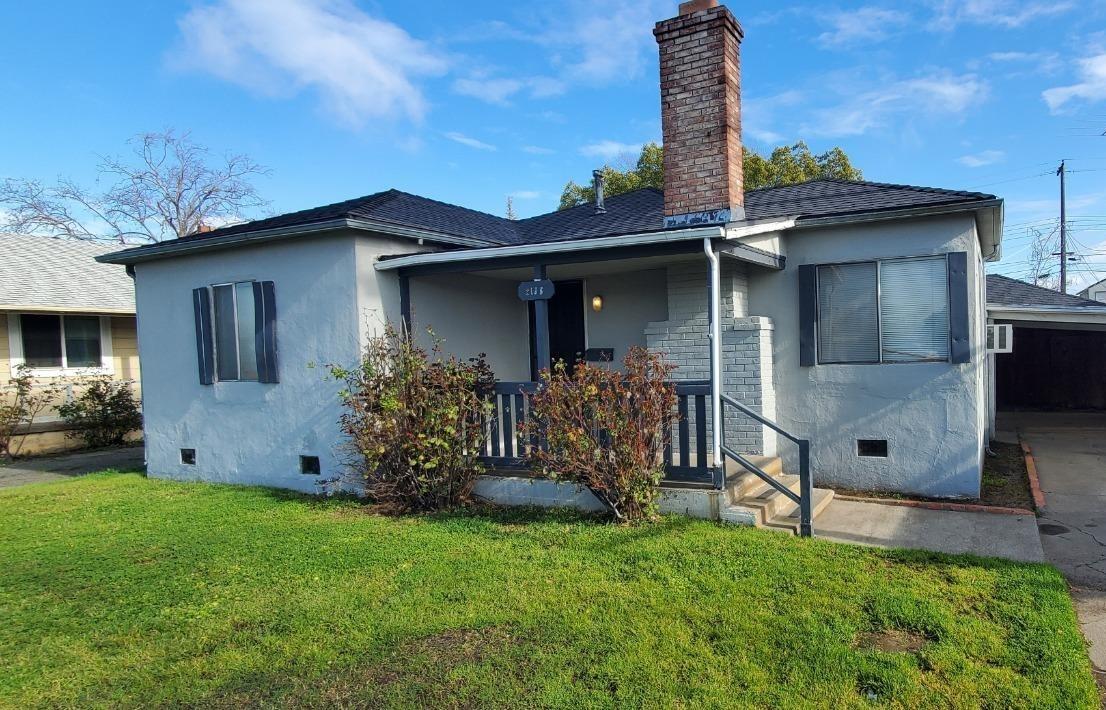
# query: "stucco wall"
248, 432
474, 314
631, 300
932, 414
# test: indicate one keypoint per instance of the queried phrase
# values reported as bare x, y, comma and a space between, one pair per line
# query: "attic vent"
597, 181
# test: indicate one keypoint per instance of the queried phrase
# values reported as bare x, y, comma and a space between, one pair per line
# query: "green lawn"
118, 590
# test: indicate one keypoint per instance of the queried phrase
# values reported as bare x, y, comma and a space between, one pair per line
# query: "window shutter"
205, 354
264, 300
958, 307
808, 315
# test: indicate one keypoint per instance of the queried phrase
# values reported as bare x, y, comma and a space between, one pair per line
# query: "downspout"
715, 324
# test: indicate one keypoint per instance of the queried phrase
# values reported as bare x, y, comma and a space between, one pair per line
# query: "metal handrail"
805, 497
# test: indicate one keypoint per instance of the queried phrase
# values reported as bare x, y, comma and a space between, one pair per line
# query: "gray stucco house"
848, 316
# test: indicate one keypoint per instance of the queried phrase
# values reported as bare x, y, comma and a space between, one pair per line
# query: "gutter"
577, 245
1048, 310
179, 247
68, 309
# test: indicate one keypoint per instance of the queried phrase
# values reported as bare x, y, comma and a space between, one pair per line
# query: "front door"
566, 325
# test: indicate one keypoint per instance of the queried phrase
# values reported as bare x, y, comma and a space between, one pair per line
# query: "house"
1053, 355
1095, 292
63, 315
830, 329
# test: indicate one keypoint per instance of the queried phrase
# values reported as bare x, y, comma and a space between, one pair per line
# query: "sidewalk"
53, 468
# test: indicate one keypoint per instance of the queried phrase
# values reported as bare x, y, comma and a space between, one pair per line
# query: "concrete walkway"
1012, 537
54, 468
1070, 450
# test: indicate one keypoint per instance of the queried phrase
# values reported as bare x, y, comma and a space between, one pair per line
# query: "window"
884, 311
49, 341
235, 350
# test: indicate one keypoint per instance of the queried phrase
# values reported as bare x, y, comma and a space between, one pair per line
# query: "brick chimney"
701, 115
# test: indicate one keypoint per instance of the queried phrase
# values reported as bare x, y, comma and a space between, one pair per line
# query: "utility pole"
1063, 232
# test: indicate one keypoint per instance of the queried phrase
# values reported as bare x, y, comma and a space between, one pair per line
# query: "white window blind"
914, 309
848, 325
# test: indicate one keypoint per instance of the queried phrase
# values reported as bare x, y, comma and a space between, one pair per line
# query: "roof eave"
91, 310
182, 247
905, 213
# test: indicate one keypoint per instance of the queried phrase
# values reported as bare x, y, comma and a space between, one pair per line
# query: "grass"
121, 591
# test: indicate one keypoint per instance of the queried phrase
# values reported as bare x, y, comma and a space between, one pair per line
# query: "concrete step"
766, 501
788, 520
740, 481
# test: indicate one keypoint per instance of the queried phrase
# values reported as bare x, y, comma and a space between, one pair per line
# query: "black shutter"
264, 303
808, 315
205, 352
959, 328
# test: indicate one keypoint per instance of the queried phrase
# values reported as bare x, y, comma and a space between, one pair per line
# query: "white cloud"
360, 66
1005, 13
865, 24
602, 41
759, 116
536, 150
468, 141
1091, 87
526, 194
500, 90
609, 150
864, 109
1034, 62
978, 160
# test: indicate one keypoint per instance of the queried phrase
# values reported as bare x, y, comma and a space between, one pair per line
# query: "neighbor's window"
51, 341
234, 326
894, 310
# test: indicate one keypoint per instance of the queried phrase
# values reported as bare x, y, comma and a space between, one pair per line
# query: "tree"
786, 165
169, 188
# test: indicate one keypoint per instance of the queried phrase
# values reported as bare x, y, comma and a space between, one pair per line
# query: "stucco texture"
931, 414
327, 296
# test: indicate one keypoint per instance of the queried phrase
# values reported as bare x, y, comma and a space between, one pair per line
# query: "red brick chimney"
701, 115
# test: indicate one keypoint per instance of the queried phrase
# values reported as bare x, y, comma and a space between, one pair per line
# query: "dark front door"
566, 325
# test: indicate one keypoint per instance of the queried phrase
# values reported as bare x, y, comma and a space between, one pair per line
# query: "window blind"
848, 324
914, 309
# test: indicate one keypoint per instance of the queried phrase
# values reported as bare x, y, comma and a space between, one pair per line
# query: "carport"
1057, 358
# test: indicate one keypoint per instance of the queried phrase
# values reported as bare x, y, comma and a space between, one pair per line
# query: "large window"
49, 341
235, 328
894, 310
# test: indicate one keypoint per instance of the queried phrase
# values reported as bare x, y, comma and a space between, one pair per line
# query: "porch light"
596, 303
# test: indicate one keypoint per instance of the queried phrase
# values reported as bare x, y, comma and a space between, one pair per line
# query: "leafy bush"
415, 422
104, 413
604, 429
20, 402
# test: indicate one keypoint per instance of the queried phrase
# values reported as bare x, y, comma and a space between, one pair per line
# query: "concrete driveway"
1070, 450
54, 468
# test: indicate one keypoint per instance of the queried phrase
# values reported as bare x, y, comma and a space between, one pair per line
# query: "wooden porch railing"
686, 454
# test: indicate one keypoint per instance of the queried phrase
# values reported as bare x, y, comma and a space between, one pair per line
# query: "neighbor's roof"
1005, 291
630, 213
44, 273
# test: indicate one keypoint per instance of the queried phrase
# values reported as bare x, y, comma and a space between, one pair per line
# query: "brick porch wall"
746, 347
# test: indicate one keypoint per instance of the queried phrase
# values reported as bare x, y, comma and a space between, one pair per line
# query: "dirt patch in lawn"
891, 641
1005, 483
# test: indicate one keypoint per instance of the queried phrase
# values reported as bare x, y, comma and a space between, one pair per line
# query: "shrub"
104, 413
604, 429
20, 402
415, 422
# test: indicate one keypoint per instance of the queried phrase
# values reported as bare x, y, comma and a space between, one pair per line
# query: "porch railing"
686, 455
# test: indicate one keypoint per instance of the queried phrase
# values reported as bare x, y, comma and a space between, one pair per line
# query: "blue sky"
469, 102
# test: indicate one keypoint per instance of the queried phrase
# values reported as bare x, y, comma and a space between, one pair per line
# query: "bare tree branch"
168, 188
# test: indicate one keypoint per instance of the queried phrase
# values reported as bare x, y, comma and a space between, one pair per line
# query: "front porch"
687, 299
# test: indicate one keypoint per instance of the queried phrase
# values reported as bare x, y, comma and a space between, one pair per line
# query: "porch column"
714, 319
541, 325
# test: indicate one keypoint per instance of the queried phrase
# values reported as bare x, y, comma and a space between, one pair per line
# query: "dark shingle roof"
1005, 291
632, 212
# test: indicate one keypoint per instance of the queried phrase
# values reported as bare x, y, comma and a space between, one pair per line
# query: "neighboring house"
63, 315
1056, 344
1095, 292
850, 314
